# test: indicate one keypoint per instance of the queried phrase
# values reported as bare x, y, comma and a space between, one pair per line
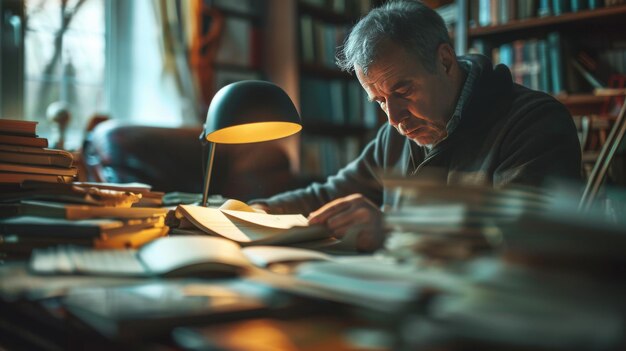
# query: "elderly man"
456, 120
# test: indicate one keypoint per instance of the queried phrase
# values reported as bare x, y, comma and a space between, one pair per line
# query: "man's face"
418, 103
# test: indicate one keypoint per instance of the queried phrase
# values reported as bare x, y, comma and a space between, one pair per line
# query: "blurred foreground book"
152, 308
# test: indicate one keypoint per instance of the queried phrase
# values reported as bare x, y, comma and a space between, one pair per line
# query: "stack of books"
25, 156
43, 214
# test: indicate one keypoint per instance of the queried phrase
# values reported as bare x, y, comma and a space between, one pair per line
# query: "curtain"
191, 32
150, 80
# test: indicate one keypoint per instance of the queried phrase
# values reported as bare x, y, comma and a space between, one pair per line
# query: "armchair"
171, 159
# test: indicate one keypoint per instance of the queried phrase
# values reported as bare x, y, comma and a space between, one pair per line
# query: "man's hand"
261, 208
353, 212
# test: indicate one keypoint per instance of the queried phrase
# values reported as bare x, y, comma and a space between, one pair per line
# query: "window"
64, 60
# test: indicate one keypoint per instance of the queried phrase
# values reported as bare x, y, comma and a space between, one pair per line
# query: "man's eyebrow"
400, 84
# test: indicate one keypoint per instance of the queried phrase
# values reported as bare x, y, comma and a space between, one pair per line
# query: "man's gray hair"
408, 23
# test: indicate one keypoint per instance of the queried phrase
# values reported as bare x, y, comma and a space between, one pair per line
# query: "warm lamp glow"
254, 132
247, 112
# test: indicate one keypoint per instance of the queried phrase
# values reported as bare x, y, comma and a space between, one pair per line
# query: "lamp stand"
207, 175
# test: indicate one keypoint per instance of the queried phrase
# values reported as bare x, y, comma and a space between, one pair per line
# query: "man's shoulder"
527, 100
522, 94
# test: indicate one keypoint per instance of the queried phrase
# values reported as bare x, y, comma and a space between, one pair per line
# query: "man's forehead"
380, 75
366, 81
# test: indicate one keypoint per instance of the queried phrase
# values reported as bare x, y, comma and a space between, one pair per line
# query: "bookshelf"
240, 51
572, 49
333, 135
338, 120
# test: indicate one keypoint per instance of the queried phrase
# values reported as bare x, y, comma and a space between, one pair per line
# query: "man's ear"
446, 56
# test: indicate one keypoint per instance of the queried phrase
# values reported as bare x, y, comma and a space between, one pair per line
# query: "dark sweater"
508, 134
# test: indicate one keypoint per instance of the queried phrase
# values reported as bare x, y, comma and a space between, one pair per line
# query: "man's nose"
394, 113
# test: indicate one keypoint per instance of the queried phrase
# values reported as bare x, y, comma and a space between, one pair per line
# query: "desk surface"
500, 307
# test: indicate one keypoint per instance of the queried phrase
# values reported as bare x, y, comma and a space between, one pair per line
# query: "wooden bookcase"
337, 119
573, 49
240, 52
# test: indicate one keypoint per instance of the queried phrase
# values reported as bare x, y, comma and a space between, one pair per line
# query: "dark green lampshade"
251, 111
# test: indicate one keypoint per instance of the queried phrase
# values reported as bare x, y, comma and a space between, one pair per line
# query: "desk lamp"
248, 111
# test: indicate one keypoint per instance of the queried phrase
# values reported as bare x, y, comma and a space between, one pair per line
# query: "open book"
240, 223
175, 256
169, 256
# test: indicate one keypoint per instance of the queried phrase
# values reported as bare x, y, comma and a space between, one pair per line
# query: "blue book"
506, 55
594, 4
503, 11
556, 62
484, 13
577, 5
544, 66
560, 7
545, 8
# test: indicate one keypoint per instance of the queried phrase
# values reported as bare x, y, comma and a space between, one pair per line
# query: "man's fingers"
325, 212
353, 216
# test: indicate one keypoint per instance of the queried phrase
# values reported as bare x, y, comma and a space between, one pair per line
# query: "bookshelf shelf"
580, 99
602, 14
582, 104
577, 54
337, 117
325, 14
324, 72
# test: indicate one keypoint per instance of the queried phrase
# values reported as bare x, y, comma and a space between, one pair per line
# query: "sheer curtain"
149, 78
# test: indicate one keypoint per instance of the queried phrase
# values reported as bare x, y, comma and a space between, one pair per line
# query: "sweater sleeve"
359, 176
543, 142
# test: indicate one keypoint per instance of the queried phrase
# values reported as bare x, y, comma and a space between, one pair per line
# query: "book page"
194, 255
212, 220
236, 205
269, 220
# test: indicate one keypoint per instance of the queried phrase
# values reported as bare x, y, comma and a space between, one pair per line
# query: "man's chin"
424, 141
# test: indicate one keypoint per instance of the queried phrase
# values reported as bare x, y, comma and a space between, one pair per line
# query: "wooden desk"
497, 307
33, 317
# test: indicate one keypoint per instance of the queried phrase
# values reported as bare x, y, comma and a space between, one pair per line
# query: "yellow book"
74, 211
130, 240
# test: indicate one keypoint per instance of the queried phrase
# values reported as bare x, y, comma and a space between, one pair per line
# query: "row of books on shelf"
319, 41
350, 8
547, 64
484, 13
337, 102
535, 63
325, 156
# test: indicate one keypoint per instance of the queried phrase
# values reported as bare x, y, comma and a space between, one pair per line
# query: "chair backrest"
171, 159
